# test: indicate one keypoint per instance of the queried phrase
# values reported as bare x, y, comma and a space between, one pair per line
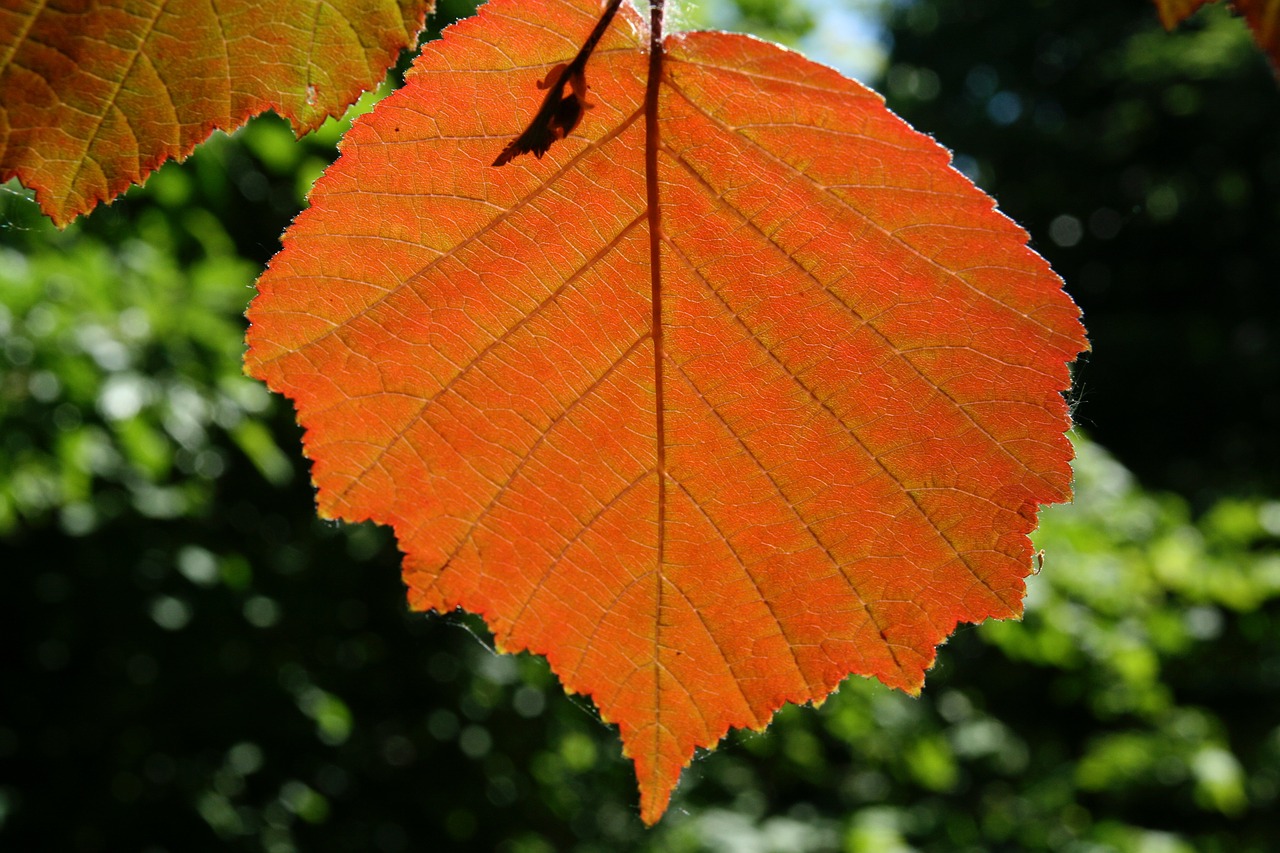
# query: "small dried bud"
560, 113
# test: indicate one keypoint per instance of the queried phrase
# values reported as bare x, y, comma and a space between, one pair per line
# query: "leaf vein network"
117, 86
528, 455
522, 319
529, 198
842, 202
823, 403
582, 531
750, 575
852, 310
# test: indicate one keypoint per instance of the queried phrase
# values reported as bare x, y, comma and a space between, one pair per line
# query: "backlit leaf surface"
96, 94
826, 453
1263, 17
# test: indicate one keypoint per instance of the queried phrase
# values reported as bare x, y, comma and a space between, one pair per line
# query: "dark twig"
560, 111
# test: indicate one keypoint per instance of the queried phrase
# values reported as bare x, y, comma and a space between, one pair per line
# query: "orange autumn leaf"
792, 420
96, 95
1263, 17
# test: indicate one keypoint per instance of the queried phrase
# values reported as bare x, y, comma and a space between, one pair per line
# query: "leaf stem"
580, 61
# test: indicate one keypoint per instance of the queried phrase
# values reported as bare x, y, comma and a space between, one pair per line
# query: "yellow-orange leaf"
707, 456
1263, 17
96, 94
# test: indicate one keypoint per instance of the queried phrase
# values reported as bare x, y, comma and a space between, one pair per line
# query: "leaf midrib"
652, 146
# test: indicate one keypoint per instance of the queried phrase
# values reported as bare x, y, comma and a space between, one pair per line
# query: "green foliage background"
193, 661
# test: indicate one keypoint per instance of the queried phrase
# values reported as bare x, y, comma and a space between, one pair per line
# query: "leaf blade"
862, 372
93, 99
